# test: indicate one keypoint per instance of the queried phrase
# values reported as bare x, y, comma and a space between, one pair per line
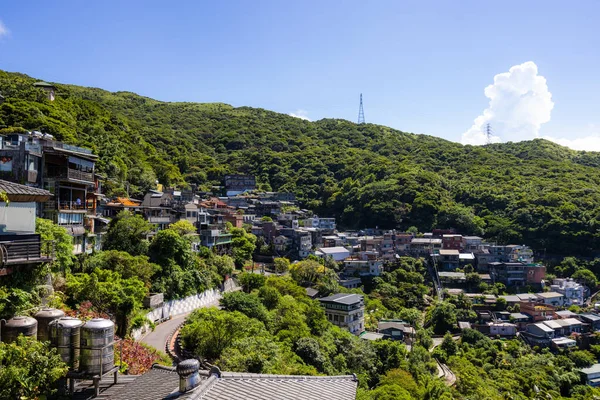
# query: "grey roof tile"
162, 383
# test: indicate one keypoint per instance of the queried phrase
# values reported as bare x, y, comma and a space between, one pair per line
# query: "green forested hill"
533, 192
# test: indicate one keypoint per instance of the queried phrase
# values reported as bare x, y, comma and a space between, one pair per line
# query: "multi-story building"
237, 184
66, 171
447, 259
573, 292
537, 311
20, 246
517, 273
472, 243
425, 246
346, 311
451, 241
361, 266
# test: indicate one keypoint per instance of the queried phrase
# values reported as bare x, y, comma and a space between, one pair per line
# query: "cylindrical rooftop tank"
16, 326
97, 346
65, 335
44, 317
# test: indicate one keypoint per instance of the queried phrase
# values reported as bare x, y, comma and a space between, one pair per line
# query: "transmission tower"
361, 112
488, 133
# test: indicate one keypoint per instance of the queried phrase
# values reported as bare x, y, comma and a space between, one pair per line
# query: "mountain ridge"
536, 192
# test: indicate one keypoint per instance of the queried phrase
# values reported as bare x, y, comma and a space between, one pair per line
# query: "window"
5, 164
68, 218
81, 164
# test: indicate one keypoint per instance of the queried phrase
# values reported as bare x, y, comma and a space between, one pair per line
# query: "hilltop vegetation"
533, 192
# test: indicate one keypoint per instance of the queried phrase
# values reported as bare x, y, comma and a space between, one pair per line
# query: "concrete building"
573, 292
337, 253
502, 329
346, 311
552, 298
591, 375
537, 311
451, 242
447, 259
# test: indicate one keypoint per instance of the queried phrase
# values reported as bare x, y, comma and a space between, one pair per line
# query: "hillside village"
295, 289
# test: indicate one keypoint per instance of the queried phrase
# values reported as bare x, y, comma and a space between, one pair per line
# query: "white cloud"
3, 30
520, 103
302, 114
587, 143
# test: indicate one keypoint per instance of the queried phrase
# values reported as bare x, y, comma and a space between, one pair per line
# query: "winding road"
159, 336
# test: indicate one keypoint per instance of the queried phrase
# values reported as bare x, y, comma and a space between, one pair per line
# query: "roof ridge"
202, 389
244, 375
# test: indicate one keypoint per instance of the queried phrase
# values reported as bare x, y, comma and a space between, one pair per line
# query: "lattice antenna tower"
488, 133
361, 112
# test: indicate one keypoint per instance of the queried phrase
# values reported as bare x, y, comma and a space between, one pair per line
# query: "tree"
243, 245
209, 331
109, 293
282, 265
29, 369
309, 351
63, 242
168, 245
251, 281
125, 264
269, 296
443, 317
248, 304
587, 277
224, 264
448, 345
183, 227
127, 232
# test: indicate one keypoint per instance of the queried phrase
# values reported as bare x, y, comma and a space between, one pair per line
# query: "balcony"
159, 220
24, 249
65, 173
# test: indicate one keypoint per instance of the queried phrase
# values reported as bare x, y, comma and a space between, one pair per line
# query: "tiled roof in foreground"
21, 193
162, 383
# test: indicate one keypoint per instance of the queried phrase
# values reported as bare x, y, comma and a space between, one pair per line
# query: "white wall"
17, 217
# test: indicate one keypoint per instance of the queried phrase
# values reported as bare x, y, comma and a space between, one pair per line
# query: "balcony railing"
25, 249
68, 173
159, 220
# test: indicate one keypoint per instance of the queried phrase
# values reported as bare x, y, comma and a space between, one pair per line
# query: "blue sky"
422, 66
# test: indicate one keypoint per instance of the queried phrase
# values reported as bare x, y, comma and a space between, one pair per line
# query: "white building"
337, 253
552, 298
346, 311
572, 291
363, 267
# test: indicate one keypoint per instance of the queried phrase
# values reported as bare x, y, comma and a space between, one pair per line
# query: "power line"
361, 112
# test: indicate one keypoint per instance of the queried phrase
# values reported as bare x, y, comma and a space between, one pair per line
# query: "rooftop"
333, 250
544, 327
21, 193
446, 252
549, 295
594, 369
371, 335
591, 317
519, 316
426, 241
161, 383
342, 298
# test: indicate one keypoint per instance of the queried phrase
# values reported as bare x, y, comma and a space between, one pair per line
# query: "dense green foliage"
533, 192
28, 369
